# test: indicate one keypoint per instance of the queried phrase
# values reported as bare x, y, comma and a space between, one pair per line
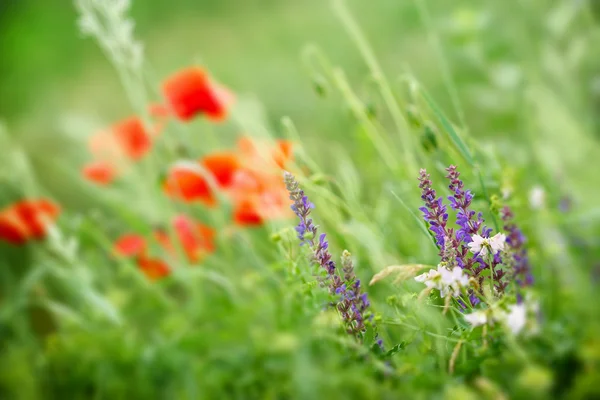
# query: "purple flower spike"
352, 303
516, 244
434, 210
460, 201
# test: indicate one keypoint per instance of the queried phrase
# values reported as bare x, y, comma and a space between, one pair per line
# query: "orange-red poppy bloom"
190, 92
127, 138
153, 268
186, 183
26, 220
257, 188
196, 239
246, 213
130, 245
222, 166
100, 172
12, 228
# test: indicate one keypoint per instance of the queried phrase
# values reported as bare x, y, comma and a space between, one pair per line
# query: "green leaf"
396, 349
454, 136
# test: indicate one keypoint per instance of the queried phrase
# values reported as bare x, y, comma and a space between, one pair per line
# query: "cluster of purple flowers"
516, 242
352, 302
454, 249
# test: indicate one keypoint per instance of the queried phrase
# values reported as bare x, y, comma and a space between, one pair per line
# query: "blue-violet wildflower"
352, 304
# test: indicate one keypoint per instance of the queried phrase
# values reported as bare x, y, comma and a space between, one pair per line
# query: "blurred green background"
50, 73
498, 69
520, 79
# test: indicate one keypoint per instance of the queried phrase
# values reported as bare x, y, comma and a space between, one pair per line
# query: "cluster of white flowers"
448, 282
514, 318
483, 245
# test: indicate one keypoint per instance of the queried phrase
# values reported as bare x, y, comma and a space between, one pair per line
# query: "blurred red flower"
100, 172
153, 268
222, 166
26, 220
186, 182
196, 241
190, 92
257, 189
126, 139
130, 245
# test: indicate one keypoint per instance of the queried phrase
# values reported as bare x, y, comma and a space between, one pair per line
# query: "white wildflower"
477, 318
444, 280
516, 318
483, 245
431, 279
452, 281
537, 197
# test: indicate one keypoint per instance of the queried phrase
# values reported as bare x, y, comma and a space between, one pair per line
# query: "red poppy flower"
130, 246
196, 239
99, 172
37, 215
246, 213
186, 183
222, 166
190, 92
154, 268
27, 219
127, 138
12, 228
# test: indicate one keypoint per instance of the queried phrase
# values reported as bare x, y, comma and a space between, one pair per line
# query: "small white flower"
452, 281
537, 197
477, 318
483, 245
444, 280
516, 318
431, 279
497, 242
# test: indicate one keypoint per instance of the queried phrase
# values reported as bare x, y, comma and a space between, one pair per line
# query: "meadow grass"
252, 320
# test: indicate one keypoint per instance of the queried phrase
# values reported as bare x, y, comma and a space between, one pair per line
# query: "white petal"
497, 242
476, 244
516, 318
476, 319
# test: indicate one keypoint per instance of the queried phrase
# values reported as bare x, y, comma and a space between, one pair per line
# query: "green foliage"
504, 90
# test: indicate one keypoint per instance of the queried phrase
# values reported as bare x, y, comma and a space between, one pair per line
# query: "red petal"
222, 166
246, 213
12, 229
189, 92
100, 172
132, 137
130, 246
188, 185
153, 268
196, 239
36, 215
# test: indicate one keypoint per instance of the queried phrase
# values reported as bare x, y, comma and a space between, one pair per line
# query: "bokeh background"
50, 74
519, 79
